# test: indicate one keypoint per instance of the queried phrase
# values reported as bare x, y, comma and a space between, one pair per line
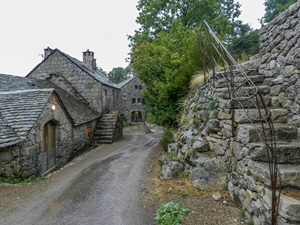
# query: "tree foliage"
245, 42
166, 51
274, 7
166, 67
119, 74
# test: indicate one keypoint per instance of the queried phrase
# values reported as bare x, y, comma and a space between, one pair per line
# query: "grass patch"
21, 181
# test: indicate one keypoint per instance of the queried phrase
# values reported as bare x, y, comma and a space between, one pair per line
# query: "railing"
244, 94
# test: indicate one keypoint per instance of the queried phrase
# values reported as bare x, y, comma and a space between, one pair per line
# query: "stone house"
61, 107
41, 126
132, 104
80, 79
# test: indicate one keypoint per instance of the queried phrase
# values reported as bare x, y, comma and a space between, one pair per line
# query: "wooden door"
48, 146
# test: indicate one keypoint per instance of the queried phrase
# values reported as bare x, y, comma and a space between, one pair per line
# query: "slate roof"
22, 101
19, 112
10, 83
7, 135
95, 74
120, 85
78, 111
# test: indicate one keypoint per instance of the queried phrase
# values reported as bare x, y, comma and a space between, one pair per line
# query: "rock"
208, 173
201, 145
216, 196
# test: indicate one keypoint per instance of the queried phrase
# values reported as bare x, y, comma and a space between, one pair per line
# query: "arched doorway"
48, 147
136, 116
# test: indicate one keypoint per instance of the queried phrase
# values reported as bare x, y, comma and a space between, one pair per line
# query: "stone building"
42, 126
80, 79
61, 107
132, 104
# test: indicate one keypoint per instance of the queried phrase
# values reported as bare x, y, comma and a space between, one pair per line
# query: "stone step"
222, 82
101, 131
107, 121
247, 115
247, 104
106, 141
289, 207
247, 133
289, 174
242, 93
104, 137
285, 152
105, 127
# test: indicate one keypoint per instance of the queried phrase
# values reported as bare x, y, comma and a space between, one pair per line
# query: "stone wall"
24, 160
280, 60
219, 153
70, 77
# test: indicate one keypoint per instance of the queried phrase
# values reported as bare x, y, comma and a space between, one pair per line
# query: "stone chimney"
89, 61
47, 51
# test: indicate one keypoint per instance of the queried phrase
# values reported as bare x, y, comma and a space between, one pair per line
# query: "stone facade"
132, 105
26, 159
81, 79
81, 95
219, 153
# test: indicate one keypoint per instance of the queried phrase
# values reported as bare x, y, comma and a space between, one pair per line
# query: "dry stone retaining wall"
207, 148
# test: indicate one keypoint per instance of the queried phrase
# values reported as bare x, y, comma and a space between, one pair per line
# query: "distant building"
132, 104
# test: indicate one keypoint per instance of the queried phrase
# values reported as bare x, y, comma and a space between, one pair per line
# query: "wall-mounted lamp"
53, 107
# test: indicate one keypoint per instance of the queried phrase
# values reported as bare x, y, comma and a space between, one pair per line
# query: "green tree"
166, 67
245, 41
166, 50
119, 74
274, 7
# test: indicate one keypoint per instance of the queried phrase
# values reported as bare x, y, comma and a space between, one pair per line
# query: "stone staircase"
253, 161
108, 130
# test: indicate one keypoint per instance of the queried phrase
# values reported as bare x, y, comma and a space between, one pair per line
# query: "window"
133, 100
138, 87
139, 100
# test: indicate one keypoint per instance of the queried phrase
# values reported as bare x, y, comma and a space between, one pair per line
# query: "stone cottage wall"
24, 159
129, 92
76, 81
214, 156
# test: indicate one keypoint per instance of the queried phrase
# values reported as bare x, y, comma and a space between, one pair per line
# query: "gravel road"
100, 187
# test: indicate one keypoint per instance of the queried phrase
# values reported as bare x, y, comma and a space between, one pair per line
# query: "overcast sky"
73, 26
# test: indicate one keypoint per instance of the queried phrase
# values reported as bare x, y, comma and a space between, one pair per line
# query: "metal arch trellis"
245, 95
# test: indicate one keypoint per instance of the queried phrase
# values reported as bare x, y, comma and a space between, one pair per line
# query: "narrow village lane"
99, 187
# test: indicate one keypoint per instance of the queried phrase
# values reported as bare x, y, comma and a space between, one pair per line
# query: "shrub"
170, 214
167, 138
